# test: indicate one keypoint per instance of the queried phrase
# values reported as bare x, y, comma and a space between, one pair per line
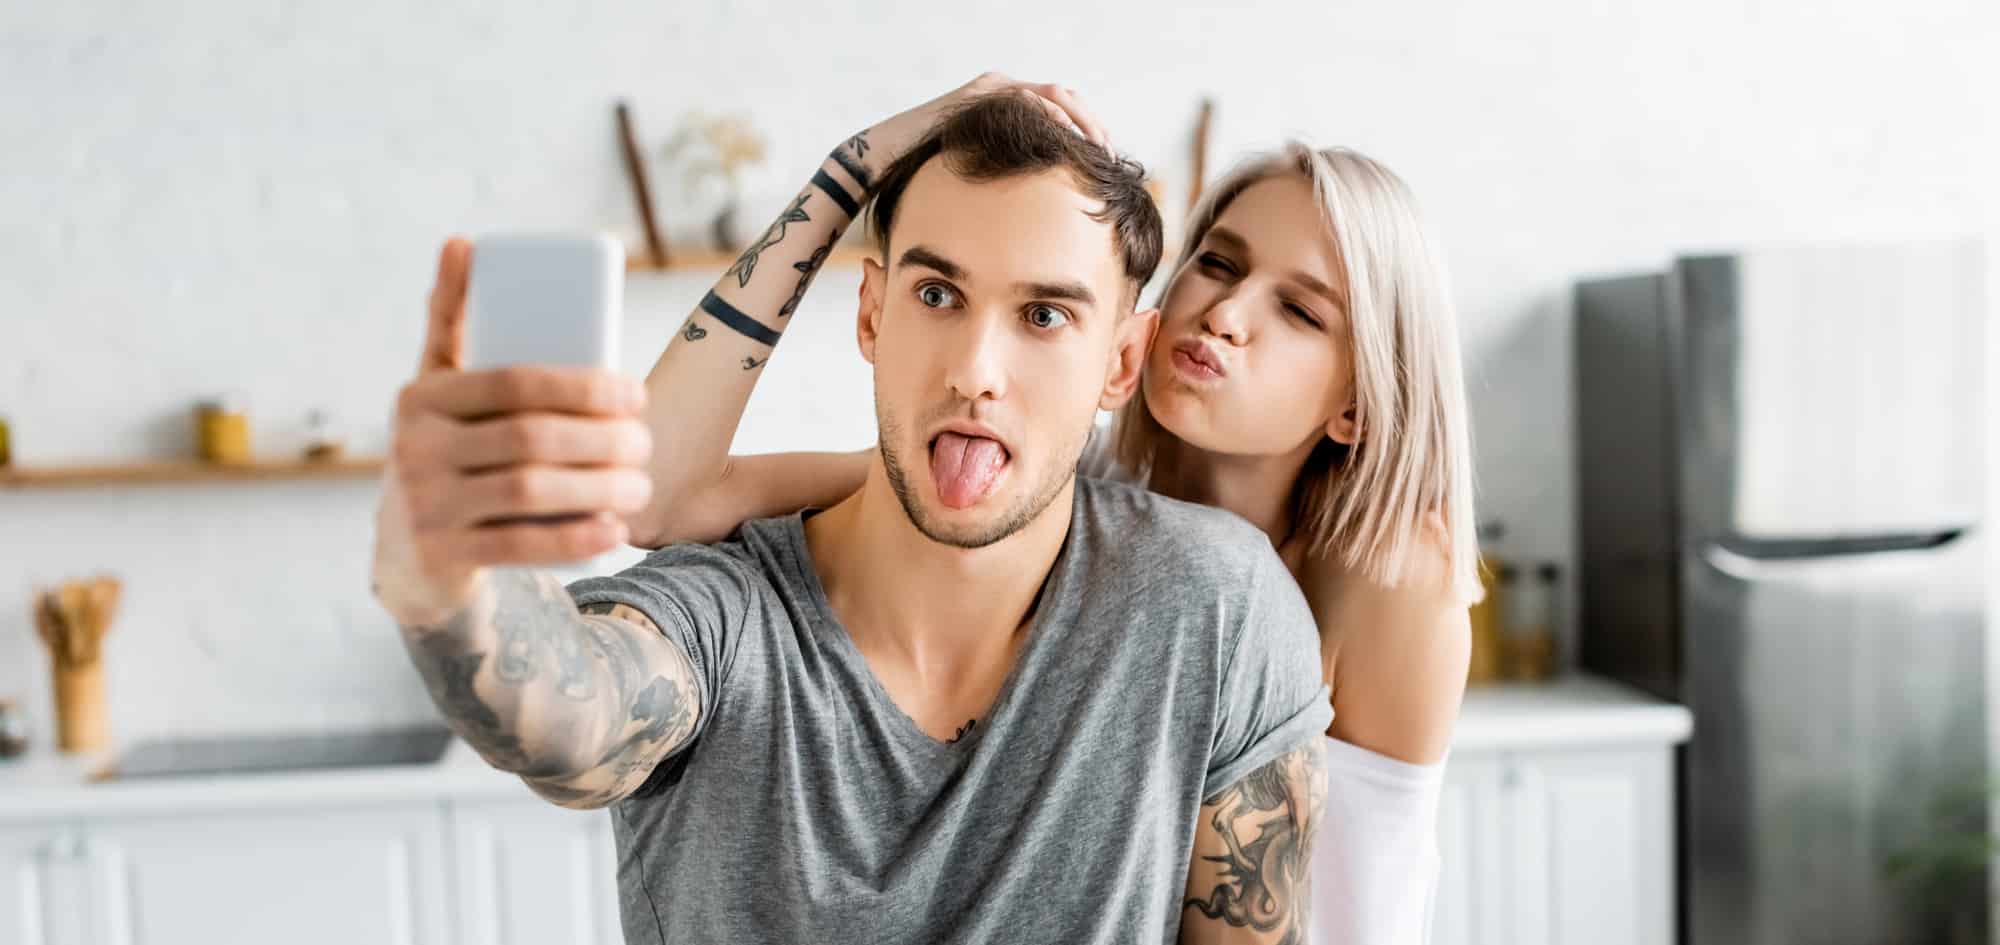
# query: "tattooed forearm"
448, 670
583, 701
807, 267
746, 264
849, 156
1256, 841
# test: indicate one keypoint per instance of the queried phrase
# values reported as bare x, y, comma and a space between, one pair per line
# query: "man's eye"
1047, 316
935, 296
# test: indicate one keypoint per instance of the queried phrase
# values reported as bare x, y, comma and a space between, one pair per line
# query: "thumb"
444, 339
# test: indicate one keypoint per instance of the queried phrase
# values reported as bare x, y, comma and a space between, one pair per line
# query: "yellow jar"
222, 431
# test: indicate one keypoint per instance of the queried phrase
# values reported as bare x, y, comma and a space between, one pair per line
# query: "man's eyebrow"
1066, 291
919, 256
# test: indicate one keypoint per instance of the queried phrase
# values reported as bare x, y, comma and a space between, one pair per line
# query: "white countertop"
1573, 712
45, 785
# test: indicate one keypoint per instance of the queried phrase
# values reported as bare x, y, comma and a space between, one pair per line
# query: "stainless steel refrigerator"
1781, 526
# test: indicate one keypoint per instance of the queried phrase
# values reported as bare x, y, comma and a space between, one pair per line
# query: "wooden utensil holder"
80, 717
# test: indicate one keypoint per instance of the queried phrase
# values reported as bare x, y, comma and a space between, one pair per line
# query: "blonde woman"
1305, 375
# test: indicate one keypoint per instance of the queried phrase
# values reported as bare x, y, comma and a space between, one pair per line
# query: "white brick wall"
202, 197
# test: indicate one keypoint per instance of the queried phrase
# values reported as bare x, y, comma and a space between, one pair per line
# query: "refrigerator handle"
1766, 560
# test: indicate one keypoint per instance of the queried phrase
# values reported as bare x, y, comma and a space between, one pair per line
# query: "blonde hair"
1373, 504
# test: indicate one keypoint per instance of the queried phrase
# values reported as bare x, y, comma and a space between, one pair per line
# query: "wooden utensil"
72, 620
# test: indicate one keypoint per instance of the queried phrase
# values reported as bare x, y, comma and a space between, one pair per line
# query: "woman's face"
1252, 356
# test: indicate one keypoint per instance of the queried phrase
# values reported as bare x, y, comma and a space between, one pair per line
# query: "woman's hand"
880, 145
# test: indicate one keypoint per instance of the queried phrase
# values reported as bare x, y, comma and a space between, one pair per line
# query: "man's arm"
1250, 879
581, 705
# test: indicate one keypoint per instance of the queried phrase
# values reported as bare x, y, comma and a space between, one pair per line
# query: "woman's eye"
935, 296
1047, 316
1213, 262
1296, 311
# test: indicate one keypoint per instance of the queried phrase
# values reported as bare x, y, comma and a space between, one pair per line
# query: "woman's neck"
1258, 488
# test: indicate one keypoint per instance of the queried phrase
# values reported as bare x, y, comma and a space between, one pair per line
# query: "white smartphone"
552, 299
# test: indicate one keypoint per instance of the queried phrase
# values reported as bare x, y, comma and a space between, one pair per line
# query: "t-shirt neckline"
1048, 601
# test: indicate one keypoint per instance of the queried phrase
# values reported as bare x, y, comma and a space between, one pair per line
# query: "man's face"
996, 335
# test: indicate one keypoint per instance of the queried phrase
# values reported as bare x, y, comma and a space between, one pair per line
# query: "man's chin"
984, 523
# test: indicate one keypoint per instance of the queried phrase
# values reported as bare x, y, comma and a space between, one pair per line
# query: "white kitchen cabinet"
334, 875
45, 898
532, 872
1557, 847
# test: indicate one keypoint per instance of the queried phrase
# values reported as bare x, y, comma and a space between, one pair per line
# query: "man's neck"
947, 611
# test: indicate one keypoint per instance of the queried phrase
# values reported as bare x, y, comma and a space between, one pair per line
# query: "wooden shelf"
170, 471
715, 261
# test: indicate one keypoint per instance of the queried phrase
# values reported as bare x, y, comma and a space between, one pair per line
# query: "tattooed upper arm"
1250, 877
658, 700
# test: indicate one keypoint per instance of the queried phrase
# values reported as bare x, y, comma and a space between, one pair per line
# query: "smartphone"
544, 299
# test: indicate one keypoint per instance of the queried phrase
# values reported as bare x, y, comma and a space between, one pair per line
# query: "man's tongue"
964, 468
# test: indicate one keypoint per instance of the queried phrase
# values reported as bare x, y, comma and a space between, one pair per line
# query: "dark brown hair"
1005, 135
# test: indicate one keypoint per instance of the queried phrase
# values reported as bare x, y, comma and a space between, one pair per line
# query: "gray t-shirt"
1169, 655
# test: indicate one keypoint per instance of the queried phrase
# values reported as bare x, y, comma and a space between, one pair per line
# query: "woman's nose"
1228, 320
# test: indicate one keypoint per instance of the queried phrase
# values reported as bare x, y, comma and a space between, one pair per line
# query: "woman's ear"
1128, 357
868, 310
1345, 427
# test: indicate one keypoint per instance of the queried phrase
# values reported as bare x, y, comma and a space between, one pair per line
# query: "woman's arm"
697, 390
1396, 659
1395, 656
761, 486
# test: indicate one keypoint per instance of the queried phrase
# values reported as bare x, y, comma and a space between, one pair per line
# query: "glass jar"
222, 430
1530, 630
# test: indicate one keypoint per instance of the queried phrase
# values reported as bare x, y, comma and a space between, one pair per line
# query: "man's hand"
518, 465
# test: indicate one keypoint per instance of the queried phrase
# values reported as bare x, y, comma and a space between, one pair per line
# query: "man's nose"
976, 366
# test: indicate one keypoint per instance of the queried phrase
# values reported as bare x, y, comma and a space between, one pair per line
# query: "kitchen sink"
239, 754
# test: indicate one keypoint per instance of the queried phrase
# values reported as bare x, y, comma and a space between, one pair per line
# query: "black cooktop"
236, 754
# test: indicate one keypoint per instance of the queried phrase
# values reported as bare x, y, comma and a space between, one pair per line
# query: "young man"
980, 699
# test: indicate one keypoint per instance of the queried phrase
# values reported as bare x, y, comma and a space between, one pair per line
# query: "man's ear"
1345, 427
868, 311
1128, 357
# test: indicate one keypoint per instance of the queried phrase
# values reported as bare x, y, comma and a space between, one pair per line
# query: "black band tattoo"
750, 363
836, 193
807, 268
733, 317
693, 332
852, 166
1267, 822
747, 263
